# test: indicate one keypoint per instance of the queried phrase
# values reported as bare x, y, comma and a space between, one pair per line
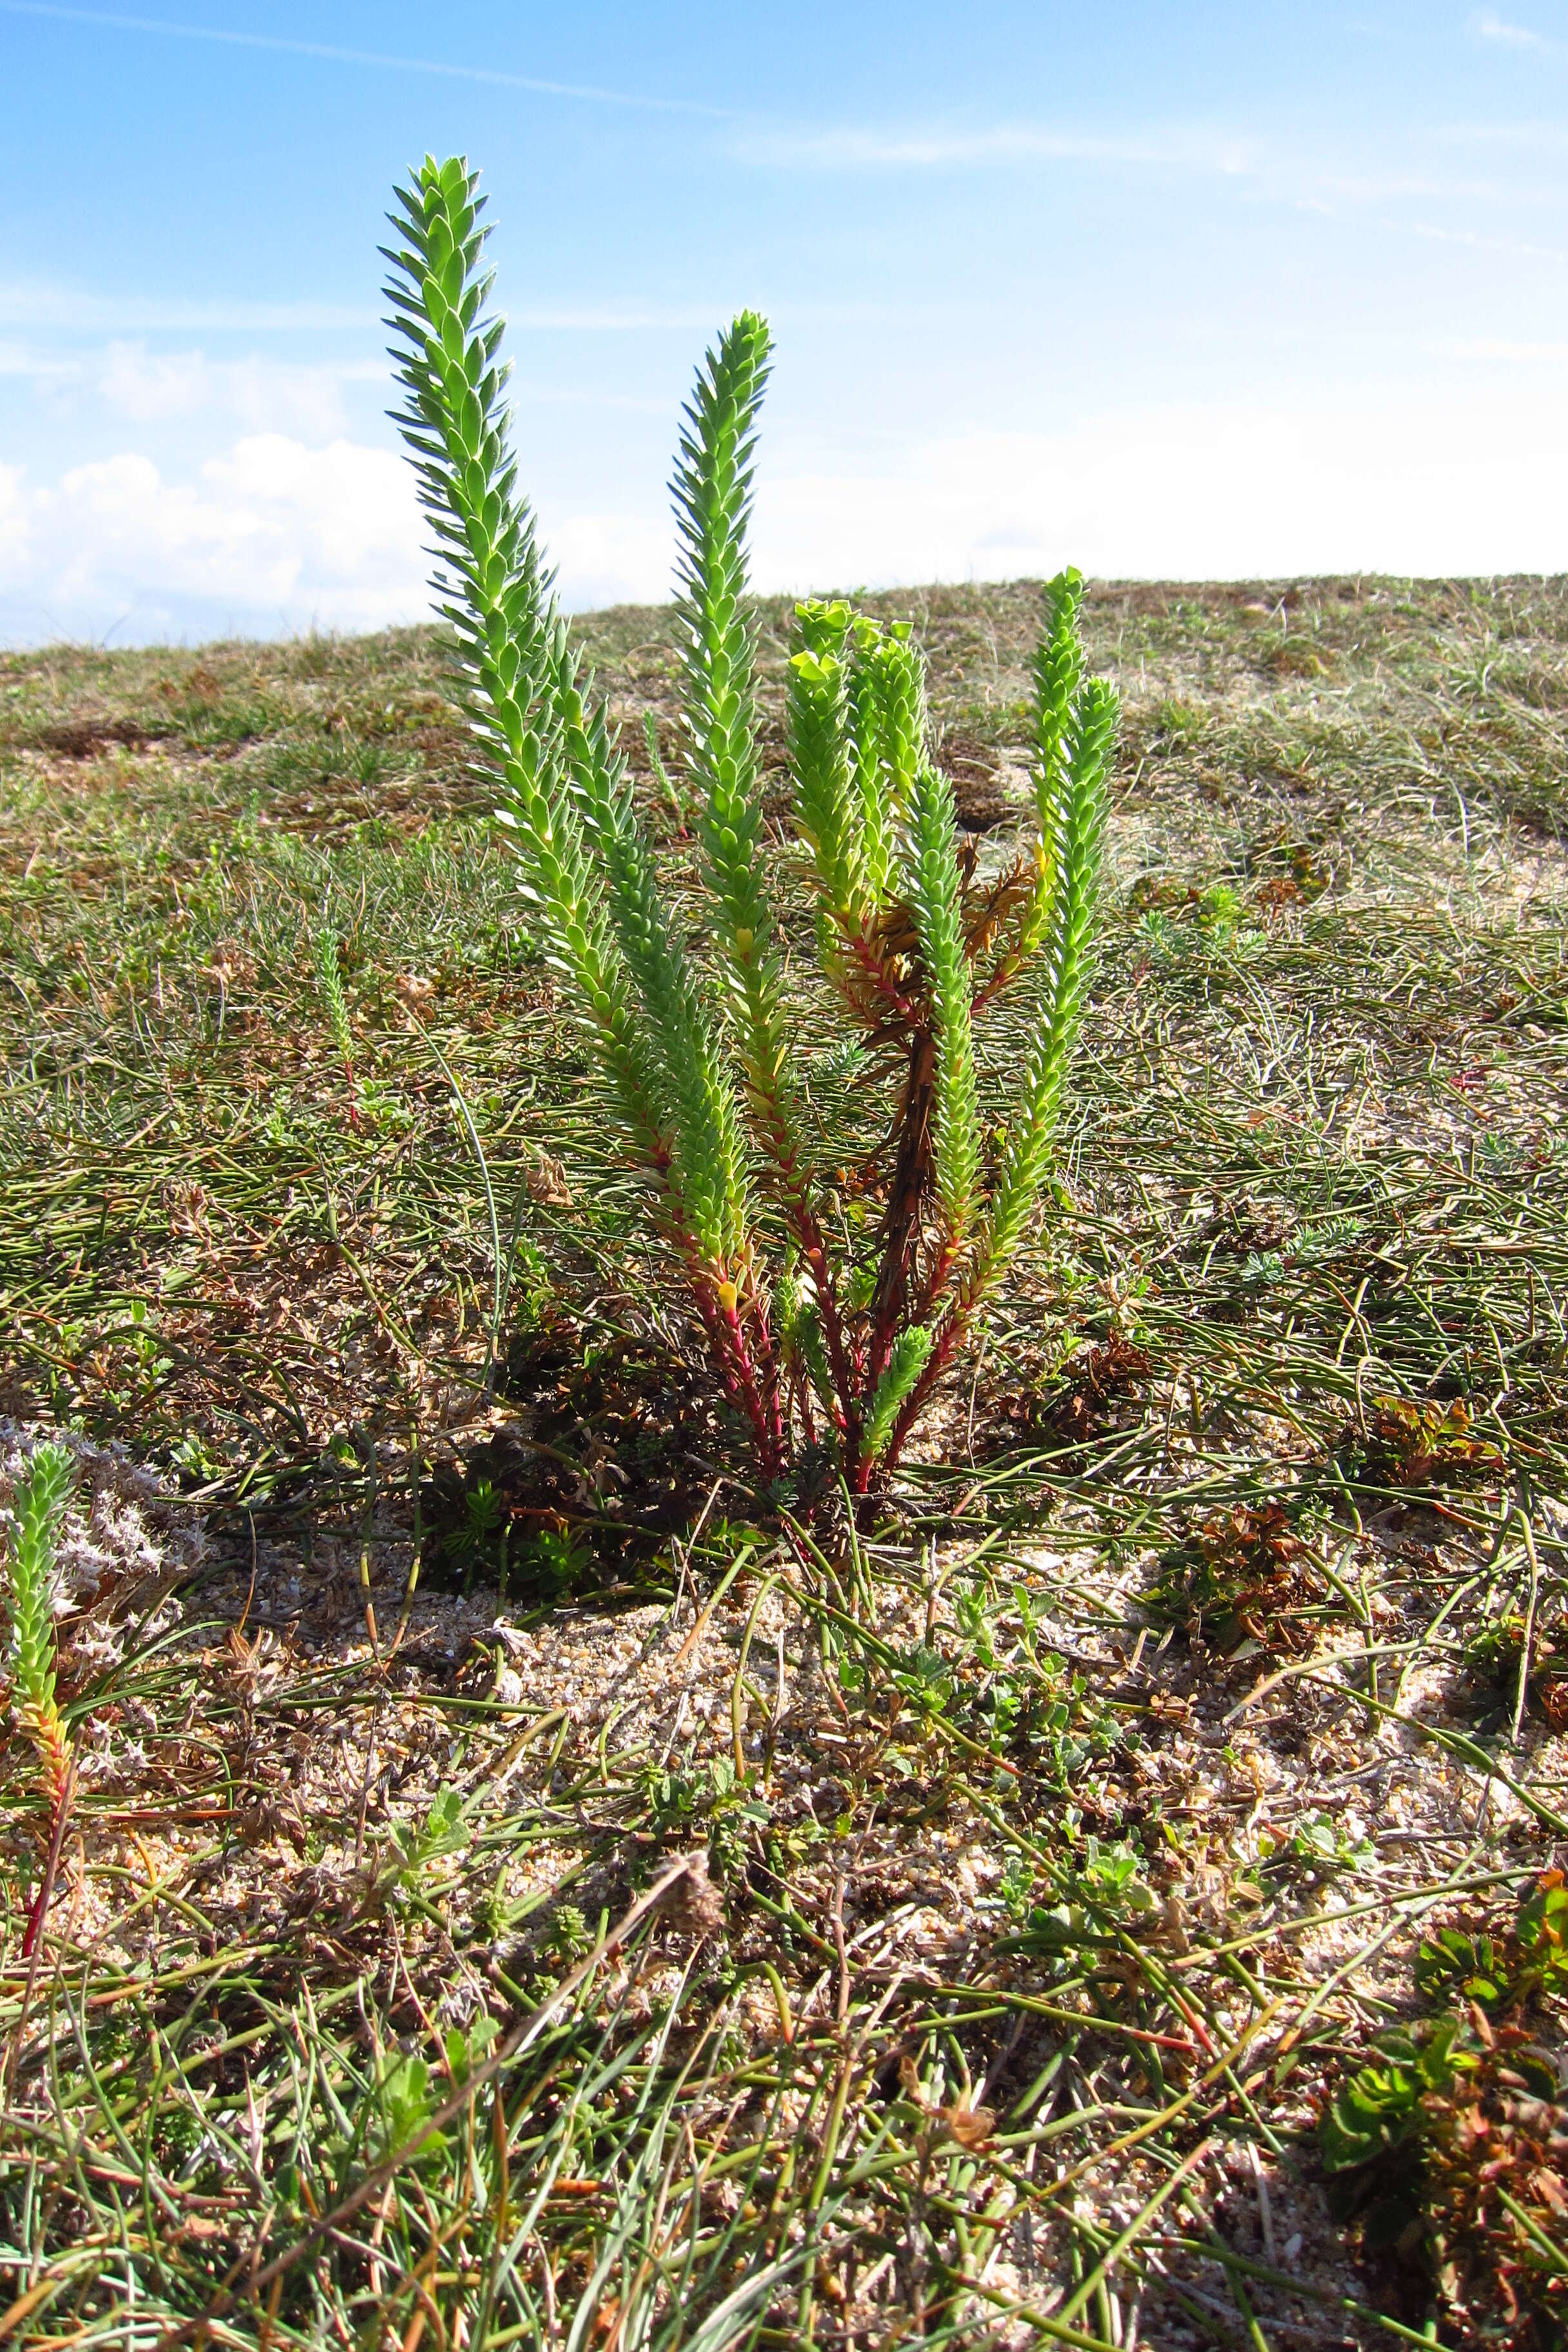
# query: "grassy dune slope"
1065, 1846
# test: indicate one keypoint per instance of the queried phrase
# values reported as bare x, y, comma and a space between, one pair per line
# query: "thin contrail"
335, 55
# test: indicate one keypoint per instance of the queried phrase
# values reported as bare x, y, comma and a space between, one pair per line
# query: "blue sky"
1207, 291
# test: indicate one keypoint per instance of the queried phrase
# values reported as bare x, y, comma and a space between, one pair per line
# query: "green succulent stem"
910, 1355
713, 495
934, 892
494, 593
1076, 819
335, 998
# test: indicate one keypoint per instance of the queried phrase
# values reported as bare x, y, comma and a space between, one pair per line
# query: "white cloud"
275, 534
613, 320
13, 521
148, 389
271, 536
1391, 188
260, 394
1512, 354
38, 367
1474, 243
37, 303
1453, 486
611, 559
1552, 136
1313, 179
344, 515
858, 148
1509, 36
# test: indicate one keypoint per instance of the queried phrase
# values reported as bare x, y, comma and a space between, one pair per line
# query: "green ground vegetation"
308, 1196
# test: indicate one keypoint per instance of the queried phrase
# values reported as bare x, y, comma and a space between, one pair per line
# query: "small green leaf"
1380, 2108
444, 1830
467, 2051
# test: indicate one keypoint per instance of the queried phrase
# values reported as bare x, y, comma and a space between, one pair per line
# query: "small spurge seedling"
40, 1505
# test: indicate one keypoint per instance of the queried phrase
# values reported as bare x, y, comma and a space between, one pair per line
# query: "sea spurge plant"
40, 1503
40, 1506
832, 1295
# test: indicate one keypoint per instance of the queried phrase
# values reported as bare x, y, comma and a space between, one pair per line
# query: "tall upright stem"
901, 1219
